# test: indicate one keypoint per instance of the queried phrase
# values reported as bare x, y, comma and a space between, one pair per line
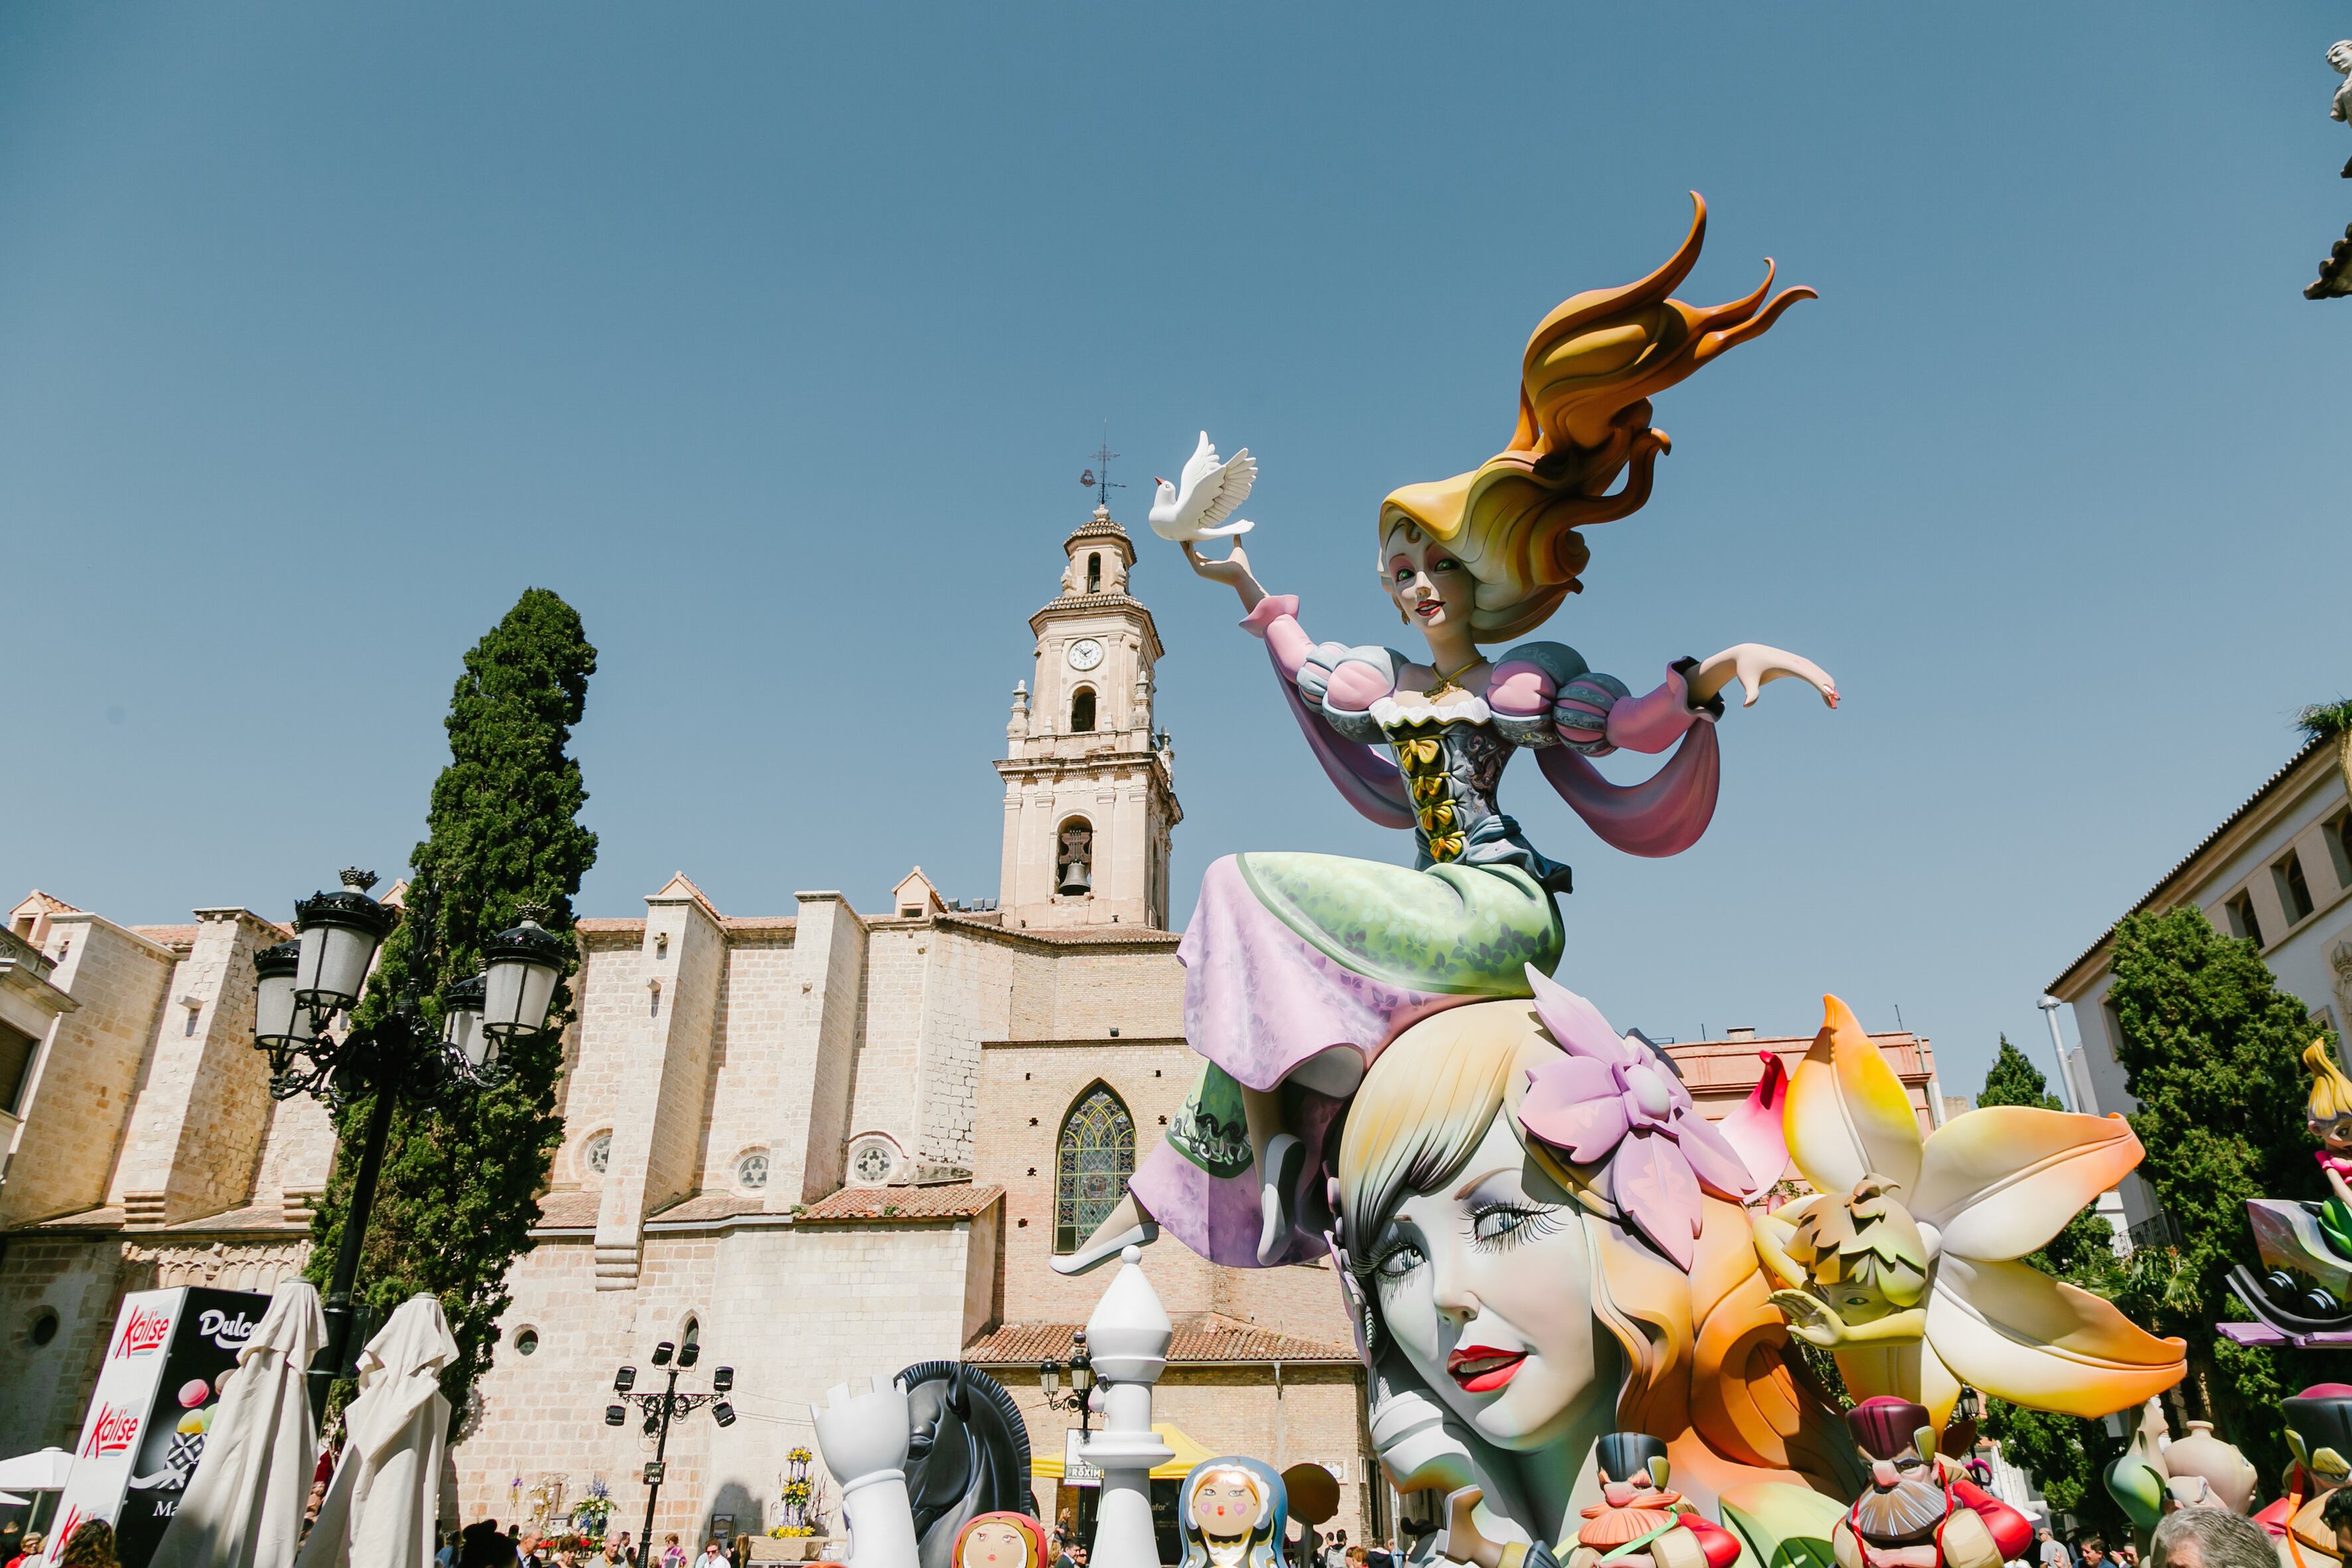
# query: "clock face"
1086, 653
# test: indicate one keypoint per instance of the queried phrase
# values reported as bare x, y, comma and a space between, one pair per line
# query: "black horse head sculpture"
968, 1453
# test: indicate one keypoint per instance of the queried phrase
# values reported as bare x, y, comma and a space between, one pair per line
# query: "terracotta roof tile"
950, 1200
168, 936
705, 1206
568, 1211
1211, 1341
1072, 936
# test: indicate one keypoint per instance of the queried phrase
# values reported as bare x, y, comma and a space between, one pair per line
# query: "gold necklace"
1447, 682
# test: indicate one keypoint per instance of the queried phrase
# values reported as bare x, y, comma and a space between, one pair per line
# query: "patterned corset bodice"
1452, 768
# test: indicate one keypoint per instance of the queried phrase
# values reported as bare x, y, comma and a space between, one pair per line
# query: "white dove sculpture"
1210, 492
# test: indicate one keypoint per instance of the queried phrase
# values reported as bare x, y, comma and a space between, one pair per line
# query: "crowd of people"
486, 1543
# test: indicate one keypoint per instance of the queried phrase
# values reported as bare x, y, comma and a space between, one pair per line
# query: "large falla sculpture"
1545, 1248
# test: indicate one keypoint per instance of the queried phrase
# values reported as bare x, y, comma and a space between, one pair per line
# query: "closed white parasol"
384, 1503
243, 1507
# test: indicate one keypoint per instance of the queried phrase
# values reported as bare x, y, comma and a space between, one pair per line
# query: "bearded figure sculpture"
1921, 1510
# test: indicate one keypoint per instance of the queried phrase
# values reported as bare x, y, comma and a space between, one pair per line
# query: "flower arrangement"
592, 1513
803, 1497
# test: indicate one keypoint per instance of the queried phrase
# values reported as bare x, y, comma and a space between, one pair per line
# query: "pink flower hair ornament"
1615, 1102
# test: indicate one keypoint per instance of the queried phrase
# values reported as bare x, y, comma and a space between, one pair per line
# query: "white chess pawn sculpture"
863, 1439
1128, 1340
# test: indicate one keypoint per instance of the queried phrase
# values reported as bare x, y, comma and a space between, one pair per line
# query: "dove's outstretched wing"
1202, 464
1232, 483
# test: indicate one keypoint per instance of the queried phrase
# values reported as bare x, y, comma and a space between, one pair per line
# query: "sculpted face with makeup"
1486, 1285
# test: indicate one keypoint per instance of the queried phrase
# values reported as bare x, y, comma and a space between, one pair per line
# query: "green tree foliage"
2211, 1049
459, 1194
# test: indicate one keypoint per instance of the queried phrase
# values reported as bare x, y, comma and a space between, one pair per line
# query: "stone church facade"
821, 1146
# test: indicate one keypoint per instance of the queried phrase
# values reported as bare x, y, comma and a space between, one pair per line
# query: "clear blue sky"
774, 338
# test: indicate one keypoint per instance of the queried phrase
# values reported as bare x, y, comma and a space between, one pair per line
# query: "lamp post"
2049, 1005
1080, 1371
301, 985
661, 1409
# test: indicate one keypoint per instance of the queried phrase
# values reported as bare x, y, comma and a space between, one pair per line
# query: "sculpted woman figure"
1302, 968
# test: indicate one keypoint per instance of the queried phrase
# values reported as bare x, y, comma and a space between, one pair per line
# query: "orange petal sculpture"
1904, 1262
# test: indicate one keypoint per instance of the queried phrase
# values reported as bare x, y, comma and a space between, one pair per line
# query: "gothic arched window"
1074, 858
1093, 574
1082, 712
1095, 1157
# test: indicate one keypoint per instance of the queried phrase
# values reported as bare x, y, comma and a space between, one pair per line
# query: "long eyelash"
1536, 1225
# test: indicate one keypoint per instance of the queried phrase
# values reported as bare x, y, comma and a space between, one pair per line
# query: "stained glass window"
1096, 1158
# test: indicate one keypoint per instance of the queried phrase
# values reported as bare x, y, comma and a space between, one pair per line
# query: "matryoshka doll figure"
1232, 1512
1638, 1523
1921, 1510
1002, 1540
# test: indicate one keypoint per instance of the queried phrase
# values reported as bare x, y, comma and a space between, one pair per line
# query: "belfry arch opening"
1082, 711
1093, 572
1074, 857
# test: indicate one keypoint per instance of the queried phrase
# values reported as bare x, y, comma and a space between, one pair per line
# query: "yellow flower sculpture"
1958, 1209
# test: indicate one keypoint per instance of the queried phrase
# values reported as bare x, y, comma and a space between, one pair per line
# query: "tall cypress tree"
458, 1193
2211, 1049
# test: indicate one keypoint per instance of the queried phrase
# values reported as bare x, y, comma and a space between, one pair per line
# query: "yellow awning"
1048, 1467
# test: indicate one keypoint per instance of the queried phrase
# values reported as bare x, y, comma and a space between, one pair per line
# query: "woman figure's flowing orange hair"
1585, 385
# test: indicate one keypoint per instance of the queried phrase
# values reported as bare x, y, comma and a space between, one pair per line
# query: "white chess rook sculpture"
1128, 1338
863, 1439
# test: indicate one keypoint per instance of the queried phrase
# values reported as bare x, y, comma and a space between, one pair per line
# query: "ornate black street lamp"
303, 984
1079, 1369
661, 1409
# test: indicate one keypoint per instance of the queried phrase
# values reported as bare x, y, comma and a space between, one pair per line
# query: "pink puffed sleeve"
1656, 721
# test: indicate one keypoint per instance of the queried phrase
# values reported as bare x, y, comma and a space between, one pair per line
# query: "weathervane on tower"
1097, 479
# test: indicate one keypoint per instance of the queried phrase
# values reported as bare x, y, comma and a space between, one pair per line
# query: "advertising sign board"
145, 1427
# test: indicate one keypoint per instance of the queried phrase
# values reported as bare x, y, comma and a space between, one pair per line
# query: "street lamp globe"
1049, 1378
1082, 1365
524, 965
338, 934
461, 1026
277, 1016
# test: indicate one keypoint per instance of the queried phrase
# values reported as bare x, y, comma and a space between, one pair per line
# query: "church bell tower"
1089, 787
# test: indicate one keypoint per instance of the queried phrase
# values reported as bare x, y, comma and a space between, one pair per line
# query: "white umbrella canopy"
42, 1472
383, 1506
243, 1507
10, 1500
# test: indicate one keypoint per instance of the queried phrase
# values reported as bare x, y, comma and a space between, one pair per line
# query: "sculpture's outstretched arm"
1316, 676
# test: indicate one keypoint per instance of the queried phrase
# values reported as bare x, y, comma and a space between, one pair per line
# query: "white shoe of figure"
1283, 1153
1128, 1226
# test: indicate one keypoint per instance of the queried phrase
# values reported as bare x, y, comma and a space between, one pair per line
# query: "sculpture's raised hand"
1754, 665
1234, 572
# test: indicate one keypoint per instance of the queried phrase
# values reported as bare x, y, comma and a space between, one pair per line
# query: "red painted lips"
1482, 1369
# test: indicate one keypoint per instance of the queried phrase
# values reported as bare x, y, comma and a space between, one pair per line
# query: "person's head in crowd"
2212, 1538
91, 1545
2094, 1552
